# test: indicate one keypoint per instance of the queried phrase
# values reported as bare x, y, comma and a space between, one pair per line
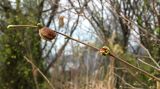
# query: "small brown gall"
47, 33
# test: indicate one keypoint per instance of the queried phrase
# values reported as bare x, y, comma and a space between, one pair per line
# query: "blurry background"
130, 28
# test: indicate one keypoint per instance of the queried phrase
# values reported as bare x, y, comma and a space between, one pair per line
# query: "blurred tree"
15, 43
139, 19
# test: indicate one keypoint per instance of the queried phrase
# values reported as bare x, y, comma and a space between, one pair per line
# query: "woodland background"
130, 28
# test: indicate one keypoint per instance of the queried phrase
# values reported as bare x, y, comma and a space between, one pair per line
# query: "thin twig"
13, 26
77, 40
125, 81
39, 71
149, 54
110, 54
118, 58
130, 65
149, 65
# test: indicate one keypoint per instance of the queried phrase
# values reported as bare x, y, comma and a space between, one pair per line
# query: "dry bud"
61, 21
47, 33
104, 50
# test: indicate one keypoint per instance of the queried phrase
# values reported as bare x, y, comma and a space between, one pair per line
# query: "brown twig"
77, 40
39, 71
158, 69
130, 65
118, 58
110, 54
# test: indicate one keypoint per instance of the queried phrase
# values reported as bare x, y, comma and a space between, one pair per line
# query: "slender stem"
77, 40
158, 69
12, 26
130, 65
39, 71
110, 54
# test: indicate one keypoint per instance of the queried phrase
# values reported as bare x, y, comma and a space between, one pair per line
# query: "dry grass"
79, 79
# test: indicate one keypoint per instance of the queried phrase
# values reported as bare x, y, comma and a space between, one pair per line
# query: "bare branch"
39, 71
